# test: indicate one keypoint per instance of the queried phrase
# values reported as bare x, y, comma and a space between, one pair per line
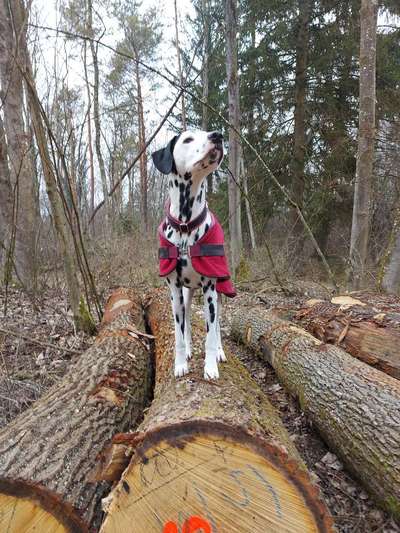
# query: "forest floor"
28, 369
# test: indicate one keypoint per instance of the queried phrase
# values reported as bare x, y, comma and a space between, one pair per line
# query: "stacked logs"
355, 407
211, 453
48, 454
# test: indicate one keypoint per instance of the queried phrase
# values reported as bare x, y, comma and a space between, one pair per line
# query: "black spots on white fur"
186, 281
206, 228
169, 234
177, 318
187, 175
184, 262
168, 281
212, 287
197, 235
176, 183
207, 286
185, 205
181, 299
209, 299
211, 308
202, 278
183, 321
200, 196
208, 327
170, 184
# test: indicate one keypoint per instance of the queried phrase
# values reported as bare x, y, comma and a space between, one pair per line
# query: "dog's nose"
216, 137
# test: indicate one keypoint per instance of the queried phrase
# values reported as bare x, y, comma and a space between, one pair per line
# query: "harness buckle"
184, 227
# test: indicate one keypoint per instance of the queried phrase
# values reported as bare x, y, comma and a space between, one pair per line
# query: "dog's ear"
164, 159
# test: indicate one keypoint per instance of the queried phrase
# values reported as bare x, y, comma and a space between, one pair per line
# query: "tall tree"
235, 228
299, 134
366, 141
20, 156
141, 38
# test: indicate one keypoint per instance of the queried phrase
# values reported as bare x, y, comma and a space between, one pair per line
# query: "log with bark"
355, 407
48, 454
370, 333
210, 453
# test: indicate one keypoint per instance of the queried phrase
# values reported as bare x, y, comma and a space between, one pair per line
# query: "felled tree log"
366, 332
48, 453
355, 407
211, 453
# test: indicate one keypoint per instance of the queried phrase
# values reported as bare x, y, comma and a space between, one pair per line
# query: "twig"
40, 343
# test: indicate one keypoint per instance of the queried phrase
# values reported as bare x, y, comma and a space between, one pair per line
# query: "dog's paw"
181, 370
188, 354
211, 370
221, 357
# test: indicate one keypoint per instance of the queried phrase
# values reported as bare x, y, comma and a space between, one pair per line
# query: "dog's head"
196, 152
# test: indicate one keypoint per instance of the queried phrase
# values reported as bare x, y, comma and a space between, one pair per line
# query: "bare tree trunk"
89, 125
247, 204
366, 140
235, 228
12, 30
6, 205
389, 274
299, 134
143, 157
58, 214
96, 111
178, 53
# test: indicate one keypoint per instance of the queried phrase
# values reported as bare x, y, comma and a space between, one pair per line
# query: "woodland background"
77, 112
307, 95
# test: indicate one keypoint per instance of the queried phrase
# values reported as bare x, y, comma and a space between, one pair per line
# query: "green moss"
84, 321
392, 504
243, 270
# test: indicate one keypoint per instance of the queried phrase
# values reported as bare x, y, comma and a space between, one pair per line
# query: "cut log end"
25, 507
222, 477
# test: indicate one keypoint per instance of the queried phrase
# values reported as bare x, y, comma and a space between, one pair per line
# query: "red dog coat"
207, 255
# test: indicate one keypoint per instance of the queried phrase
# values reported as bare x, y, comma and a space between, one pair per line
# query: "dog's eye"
188, 140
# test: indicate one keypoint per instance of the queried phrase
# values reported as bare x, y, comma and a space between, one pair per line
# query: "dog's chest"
185, 273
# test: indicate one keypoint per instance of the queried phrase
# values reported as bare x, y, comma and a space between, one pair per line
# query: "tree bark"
96, 111
299, 134
49, 453
355, 407
89, 126
216, 450
389, 272
21, 167
235, 228
247, 205
371, 335
366, 142
142, 141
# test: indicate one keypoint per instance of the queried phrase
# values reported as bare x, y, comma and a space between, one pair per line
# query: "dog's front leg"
221, 353
211, 314
188, 296
178, 310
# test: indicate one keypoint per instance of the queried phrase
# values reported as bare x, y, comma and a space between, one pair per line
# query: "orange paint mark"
196, 523
170, 527
192, 525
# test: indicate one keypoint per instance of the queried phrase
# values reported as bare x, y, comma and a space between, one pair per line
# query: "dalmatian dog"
187, 160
